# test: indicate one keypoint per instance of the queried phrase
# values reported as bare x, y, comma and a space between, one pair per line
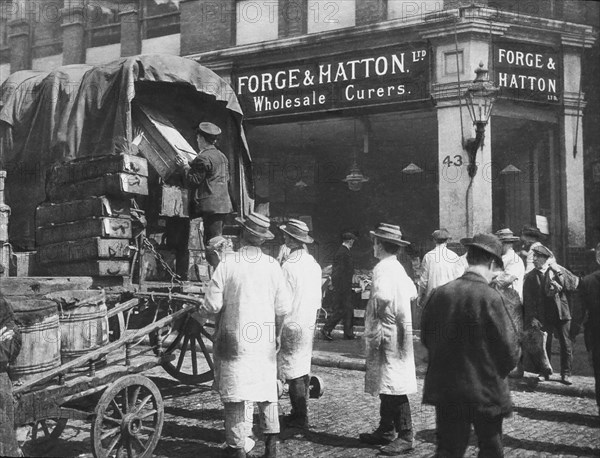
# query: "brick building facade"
541, 140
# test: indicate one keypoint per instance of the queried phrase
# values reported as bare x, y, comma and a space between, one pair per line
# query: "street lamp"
480, 98
355, 178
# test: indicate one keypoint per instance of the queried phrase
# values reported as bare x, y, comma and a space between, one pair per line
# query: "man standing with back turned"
249, 291
473, 345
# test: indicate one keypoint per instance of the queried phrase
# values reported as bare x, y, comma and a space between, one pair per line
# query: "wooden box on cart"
97, 206
118, 228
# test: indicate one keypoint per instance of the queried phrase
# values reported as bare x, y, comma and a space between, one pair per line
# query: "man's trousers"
238, 420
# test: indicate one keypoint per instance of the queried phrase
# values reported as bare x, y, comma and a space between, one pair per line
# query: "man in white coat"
390, 363
439, 266
303, 275
249, 292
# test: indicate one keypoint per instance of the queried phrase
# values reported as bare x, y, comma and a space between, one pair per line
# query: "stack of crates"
85, 228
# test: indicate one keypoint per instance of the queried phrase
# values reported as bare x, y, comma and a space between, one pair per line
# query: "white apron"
249, 291
303, 275
389, 354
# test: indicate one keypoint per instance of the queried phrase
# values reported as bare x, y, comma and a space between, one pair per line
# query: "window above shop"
325, 15
452, 61
160, 18
256, 21
103, 24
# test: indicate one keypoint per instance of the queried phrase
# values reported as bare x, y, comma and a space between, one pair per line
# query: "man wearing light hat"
439, 266
208, 178
473, 345
390, 363
514, 269
303, 275
546, 305
249, 291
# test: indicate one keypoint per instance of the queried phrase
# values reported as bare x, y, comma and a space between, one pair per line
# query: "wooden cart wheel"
44, 435
188, 340
129, 419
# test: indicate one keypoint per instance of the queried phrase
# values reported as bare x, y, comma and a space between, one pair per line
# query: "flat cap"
209, 128
543, 251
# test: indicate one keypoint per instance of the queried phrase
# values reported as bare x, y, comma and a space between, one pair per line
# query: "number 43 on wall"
448, 161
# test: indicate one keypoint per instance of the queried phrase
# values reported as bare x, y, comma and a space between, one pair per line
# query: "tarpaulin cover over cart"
82, 110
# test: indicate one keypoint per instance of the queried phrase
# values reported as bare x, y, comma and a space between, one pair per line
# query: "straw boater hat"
297, 229
441, 234
507, 236
488, 243
209, 128
389, 233
257, 224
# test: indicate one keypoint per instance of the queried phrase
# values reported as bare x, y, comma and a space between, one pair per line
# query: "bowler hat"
531, 231
506, 236
389, 233
543, 251
297, 229
488, 243
441, 234
209, 128
257, 224
216, 242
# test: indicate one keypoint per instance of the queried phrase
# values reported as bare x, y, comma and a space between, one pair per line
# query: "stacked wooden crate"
85, 228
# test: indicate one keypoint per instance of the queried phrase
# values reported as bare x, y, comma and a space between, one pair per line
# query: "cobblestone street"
558, 421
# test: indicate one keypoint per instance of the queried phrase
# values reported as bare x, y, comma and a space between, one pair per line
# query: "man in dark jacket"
590, 286
10, 344
546, 305
341, 280
473, 345
208, 178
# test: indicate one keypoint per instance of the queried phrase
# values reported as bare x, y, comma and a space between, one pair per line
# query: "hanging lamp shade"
480, 96
355, 178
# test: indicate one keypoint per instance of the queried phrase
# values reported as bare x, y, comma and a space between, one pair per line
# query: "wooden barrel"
83, 323
39, 325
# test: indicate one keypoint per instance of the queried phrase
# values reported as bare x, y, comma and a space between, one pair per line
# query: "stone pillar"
131, 38
20, 45
207, 25
73, 30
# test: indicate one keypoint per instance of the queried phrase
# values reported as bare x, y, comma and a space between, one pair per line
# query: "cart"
158, 324
125, 407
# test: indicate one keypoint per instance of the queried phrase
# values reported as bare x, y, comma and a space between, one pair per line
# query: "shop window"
103, 25
324, 15
160, 18
256, 21
451, 62
410, 11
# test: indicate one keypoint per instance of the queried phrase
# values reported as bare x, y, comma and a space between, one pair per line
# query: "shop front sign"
527, 72
372, 77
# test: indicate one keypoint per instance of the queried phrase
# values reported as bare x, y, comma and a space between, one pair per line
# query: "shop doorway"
526, 177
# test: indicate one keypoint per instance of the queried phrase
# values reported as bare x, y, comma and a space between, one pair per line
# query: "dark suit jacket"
342, 269
208, 178
590, 286
473, 345
539, 302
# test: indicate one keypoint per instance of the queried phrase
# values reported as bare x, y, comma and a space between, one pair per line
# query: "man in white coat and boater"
249, 292
303, 275
390, 362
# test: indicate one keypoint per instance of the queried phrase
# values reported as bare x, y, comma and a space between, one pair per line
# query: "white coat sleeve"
283, 297
213, 300
424, 278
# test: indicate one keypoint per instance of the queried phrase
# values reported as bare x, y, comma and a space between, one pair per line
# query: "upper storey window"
324, 15
256, 21
161, 17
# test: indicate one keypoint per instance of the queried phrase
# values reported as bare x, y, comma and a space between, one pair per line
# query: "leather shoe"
378, 437
566, 379
350, 337
326, 335
397, 447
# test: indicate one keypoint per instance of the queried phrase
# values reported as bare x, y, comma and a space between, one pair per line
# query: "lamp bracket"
471, 146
